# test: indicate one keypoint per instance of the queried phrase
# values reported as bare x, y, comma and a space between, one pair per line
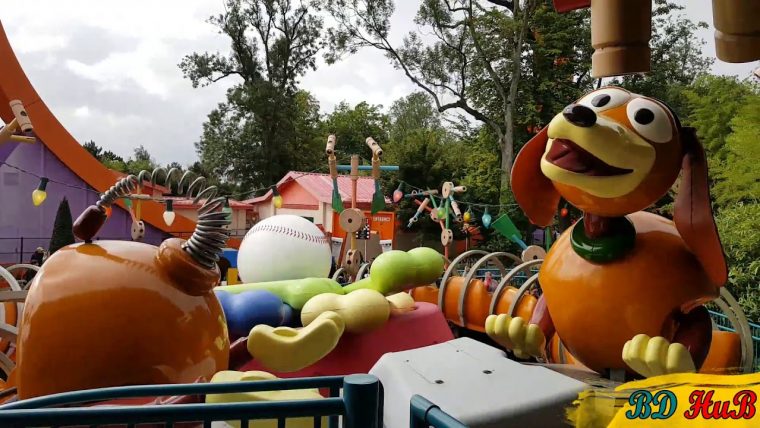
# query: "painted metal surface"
120, 313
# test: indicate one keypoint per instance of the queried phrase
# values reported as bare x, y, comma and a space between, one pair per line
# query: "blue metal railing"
724, 323
360, 406
424, 414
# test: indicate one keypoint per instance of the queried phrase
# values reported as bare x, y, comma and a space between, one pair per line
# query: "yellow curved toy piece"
401, 303
285, 349
286, 395
655, 356
524, 339
362, 310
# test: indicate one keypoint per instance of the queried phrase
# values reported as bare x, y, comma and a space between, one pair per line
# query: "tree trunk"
507, 145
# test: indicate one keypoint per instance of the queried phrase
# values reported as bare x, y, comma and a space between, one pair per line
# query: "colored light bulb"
276, 197
228, 211
169, 214
486, 219
563, 212
467, 216
398, 194
441, 213
39, 194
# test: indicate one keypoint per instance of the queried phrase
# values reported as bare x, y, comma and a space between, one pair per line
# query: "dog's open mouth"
571, 157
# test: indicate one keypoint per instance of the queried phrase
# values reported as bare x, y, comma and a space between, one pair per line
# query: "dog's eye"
643, 116
605, 99
650, 120
600, 100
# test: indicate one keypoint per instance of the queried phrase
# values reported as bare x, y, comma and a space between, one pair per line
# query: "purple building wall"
19, 218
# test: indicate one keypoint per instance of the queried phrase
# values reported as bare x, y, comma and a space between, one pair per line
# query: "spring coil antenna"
210, 234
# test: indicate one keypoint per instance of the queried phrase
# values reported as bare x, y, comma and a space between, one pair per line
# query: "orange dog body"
596, 308
622, 274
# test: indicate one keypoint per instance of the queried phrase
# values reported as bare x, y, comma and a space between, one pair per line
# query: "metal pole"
361, 394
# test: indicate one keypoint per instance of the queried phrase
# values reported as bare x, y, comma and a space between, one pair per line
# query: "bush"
63, 233
738, 226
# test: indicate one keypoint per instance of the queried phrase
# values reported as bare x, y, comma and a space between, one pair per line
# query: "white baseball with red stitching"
284, 247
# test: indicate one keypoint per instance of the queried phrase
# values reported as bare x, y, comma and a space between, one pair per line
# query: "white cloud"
83, 111
136, 65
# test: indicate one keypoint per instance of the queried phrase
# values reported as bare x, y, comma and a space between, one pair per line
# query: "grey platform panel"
476, 384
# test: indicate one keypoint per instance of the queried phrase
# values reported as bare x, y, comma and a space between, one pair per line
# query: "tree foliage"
264, 127
63, 232
352, 126
460, 57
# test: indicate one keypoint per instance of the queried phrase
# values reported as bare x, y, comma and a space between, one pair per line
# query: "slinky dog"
622, 288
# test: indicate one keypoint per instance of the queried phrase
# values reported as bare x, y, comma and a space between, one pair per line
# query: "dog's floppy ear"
533, 191
693, 214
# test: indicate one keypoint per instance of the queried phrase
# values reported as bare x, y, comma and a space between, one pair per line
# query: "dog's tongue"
571, 157
568, 156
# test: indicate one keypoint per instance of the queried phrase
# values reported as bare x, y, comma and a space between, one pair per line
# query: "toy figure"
622, 288
114, 313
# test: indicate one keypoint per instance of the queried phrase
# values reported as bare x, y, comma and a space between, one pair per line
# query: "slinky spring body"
210, 234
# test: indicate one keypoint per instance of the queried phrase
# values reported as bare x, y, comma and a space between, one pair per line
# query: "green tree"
738, 178
94, 149
352, 126
710, 104
460, 64
63, 233
254, 137
738, 225
140, 160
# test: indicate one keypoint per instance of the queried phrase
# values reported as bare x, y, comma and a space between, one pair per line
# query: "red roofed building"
310, 195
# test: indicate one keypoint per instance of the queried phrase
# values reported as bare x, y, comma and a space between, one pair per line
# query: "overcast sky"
108, 70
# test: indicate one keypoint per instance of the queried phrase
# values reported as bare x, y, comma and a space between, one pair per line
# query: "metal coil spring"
210, 234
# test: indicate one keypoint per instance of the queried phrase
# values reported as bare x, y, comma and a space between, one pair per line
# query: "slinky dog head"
613, 153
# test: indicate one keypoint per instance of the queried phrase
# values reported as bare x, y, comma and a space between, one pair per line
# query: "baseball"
283, 247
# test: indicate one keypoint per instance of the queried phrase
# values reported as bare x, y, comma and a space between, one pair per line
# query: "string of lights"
40, 193
87, 189
466, 203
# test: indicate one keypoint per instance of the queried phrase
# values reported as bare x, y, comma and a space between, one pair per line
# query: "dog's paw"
654, 356
525, 340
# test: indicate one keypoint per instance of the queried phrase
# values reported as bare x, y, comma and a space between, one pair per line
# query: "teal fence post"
418, 408
361, 393
423, 414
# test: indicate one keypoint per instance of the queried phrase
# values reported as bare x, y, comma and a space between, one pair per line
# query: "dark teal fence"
424, 414
360, 405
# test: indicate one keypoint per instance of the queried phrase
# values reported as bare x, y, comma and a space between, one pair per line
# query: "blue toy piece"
245, 310
231, 255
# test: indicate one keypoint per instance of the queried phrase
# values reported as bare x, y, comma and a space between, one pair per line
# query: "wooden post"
21, 116
332, 163
354, 184
737, 30
620, 33
7, 131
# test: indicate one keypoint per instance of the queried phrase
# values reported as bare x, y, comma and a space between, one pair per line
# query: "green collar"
608, 248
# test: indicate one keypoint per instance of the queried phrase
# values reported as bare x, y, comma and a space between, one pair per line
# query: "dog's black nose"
579, 115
